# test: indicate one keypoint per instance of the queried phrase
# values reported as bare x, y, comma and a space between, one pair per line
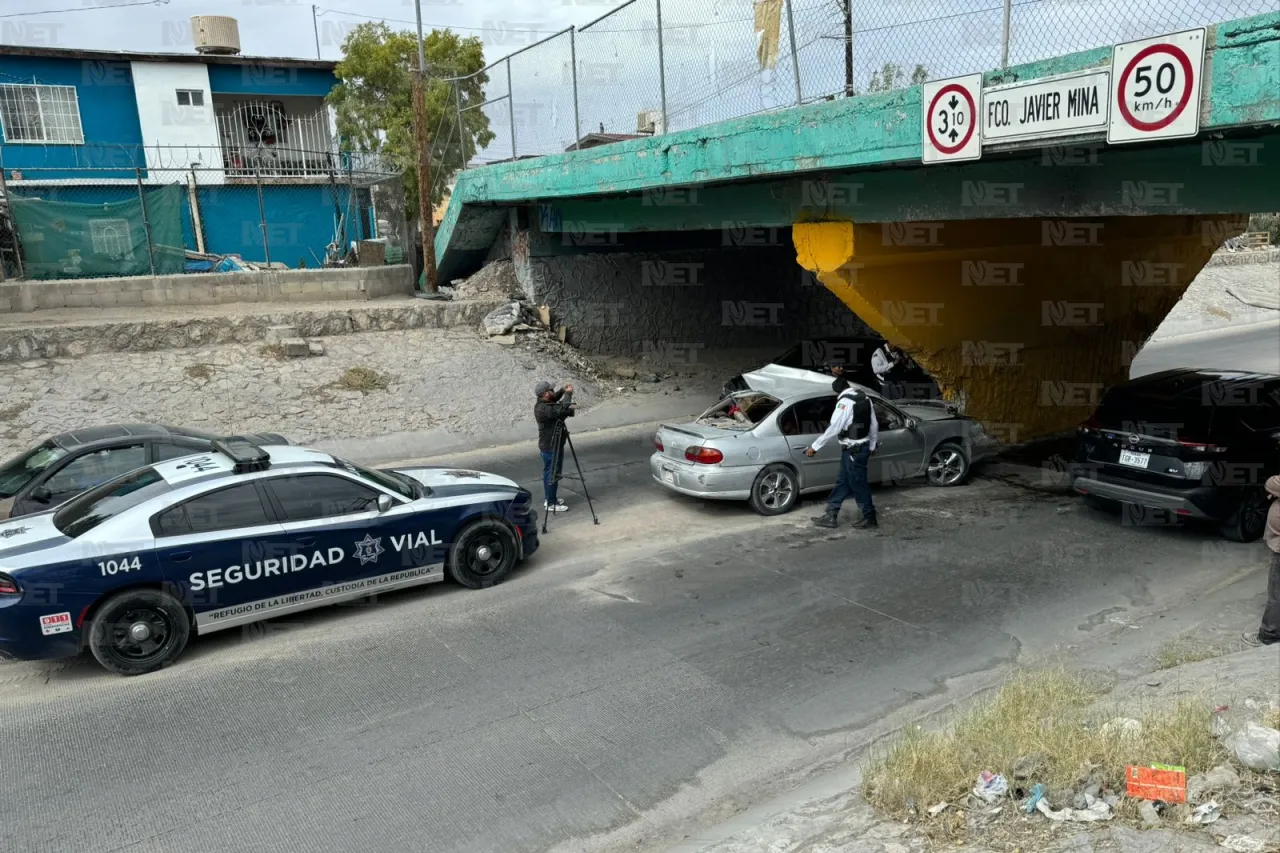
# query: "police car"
203, 543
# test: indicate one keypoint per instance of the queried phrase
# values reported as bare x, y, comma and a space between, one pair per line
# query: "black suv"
1185, 444
66, 465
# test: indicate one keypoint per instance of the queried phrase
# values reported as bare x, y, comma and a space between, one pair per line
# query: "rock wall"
649, 303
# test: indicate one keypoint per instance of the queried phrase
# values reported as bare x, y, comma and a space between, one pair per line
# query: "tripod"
559, 440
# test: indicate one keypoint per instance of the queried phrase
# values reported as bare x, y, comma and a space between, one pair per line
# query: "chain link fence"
188, 211
650, 66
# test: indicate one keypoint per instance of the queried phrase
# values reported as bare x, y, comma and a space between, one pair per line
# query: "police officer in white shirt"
853, 424
883, 361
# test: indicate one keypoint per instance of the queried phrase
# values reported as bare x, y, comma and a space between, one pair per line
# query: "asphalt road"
1255, 347
634, 681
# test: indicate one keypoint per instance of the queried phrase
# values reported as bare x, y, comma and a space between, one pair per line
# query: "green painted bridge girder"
863, 135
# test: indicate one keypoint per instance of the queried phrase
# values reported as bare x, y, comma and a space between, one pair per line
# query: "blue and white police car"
203, 543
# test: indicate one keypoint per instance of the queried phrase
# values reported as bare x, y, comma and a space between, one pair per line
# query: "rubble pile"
496, 280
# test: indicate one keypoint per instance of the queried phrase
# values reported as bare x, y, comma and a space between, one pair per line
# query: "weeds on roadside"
1184, 649
1050, 713
363, 379
199, 371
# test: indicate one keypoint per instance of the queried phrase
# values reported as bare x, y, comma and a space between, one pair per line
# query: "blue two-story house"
248, 140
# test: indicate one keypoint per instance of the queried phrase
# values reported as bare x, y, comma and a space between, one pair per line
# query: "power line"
430, 26
84, 9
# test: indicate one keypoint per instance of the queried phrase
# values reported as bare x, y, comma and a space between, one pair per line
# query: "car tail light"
703, 455
8, 586
1201, 447
1089, 425
657, 442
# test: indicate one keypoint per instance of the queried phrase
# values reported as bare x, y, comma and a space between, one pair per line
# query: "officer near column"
853, 424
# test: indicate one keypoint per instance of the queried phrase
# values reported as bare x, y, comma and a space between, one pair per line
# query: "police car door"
227, 552
335, 520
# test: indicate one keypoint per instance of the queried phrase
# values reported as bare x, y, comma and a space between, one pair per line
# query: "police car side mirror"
41, 495
385, 503
912, 423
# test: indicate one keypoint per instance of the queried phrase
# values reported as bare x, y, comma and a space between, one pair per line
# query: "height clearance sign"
951, 119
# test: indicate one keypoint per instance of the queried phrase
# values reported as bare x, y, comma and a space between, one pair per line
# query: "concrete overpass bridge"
1027, 278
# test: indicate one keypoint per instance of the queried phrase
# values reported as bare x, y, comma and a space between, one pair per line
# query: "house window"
40, 114
111, 237
190, 97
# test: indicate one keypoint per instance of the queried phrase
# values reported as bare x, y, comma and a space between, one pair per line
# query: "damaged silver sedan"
750, 446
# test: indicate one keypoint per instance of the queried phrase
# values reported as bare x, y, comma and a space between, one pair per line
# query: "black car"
66, 465
908, 381
1185, 444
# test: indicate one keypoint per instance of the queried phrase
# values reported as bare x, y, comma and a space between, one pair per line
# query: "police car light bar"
246, 455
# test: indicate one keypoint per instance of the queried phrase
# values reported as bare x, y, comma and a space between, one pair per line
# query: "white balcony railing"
260, 138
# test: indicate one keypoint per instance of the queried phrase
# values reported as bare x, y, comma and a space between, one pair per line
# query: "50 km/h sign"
1155, 88
950, 117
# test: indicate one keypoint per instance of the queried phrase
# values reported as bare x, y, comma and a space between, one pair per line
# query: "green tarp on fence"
63, 239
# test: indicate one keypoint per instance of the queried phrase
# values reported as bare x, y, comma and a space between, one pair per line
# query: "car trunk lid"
676, 440
1151, 438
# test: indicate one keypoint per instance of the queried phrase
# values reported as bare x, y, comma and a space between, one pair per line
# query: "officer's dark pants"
1269, 632
852, 482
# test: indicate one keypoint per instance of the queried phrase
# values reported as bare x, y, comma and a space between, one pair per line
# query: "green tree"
890, 76
374, 101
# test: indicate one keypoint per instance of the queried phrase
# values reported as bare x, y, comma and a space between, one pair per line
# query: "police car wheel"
774, 491
483, 554
948, 465
138, 631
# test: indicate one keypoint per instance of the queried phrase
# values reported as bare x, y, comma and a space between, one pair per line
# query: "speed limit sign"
950, 116
1155, 87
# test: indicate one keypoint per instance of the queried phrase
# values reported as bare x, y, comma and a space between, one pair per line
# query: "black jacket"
548, 413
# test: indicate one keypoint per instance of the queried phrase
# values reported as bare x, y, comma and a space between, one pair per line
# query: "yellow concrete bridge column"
1030, 319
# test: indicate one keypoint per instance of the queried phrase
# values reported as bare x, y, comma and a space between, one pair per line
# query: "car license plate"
669, 476
1134, 460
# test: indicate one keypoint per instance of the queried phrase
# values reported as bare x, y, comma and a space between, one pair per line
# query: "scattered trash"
938, 809
1037, 794
1125, 726
500, 320
1222, 778
991, 787
1150, 816
1206, 813
1157, 782
1097, 810
1027, 766
1243, 844
1256, 747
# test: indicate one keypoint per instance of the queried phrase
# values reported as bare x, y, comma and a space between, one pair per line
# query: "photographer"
551, 409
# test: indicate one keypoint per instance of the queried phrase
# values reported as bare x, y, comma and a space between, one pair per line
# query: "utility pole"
422, 134
315, 27
848, 48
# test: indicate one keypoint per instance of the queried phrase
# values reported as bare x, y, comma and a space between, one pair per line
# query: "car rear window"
81, 514
20, 470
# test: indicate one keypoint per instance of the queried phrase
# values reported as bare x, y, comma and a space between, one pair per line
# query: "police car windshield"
20, 470
404, 488
81, 514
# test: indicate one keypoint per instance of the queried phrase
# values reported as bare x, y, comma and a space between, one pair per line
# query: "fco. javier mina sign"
1052, 106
